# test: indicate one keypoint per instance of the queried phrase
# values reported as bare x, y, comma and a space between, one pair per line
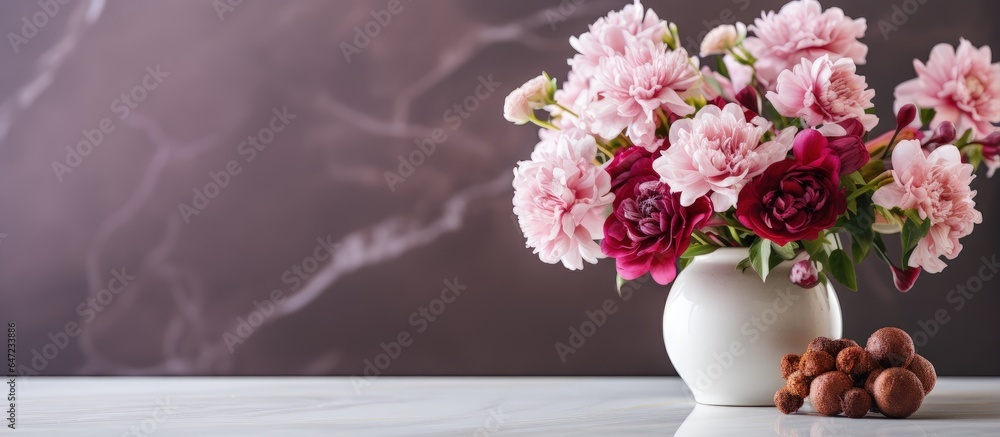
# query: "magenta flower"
629, 168
960, 84
719, 152
824, 92
802, 30
559, 199
650, 230
633, 86
937, 186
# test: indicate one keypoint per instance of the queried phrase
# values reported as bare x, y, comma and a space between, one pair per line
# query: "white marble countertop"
474, 406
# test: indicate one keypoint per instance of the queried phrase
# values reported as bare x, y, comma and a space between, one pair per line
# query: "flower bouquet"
650, 157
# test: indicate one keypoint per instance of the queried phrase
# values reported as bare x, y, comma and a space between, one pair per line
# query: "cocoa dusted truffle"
856, 403
789, 364
798, 384
891, 347
786, 402
898, 392
814, 363
824, 344
855, 361
845, 343
826, 392
870, 382
924, 371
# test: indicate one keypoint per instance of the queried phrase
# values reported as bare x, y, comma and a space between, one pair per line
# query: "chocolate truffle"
856, 403
789, 364
898, 392
855, 361
870, 382
786, 402
798, 384
815, 363
845, 343
924, 371
891, 347
826, 392
824, 344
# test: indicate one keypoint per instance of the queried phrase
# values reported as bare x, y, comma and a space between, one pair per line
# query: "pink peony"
961, 84
559, 199
718, 151
937, 186
824, 92
803, 30
575, 92
633, 86
608, 36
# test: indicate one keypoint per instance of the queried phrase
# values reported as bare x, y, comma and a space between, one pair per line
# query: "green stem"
567, 110
879, 181
543, 123
702, 238
736, 235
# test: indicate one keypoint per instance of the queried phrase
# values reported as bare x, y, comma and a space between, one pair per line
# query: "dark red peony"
797, 198
631, 167
649, 230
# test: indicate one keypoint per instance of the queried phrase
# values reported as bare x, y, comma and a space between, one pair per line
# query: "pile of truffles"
839, 376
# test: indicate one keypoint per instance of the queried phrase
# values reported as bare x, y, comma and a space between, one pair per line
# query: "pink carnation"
608, 36
937, 186
961, 84
803, 30
633, 86
559, 199
718, 151
824, 92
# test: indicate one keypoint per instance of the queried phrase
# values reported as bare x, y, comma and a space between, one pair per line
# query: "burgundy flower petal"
904, 278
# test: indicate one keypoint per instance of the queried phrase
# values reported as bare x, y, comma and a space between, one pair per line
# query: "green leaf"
860, 227
873, 168
720, 66
743, 265
843, 269
760, 257
914, 229
926, 115
786, 252
880, 249
976, 156
619, 282
965, 139
860, 247
698, 250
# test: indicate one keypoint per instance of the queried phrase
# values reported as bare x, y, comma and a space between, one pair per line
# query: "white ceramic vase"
726, 330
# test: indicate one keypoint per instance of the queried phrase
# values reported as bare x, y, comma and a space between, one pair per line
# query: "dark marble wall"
238, 146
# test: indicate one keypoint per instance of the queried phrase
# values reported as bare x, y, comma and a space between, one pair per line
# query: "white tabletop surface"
472, 406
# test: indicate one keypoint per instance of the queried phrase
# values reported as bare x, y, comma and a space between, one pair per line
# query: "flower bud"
852, 153
991, 145
749, 99
905, 116
944, 134
804, 274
